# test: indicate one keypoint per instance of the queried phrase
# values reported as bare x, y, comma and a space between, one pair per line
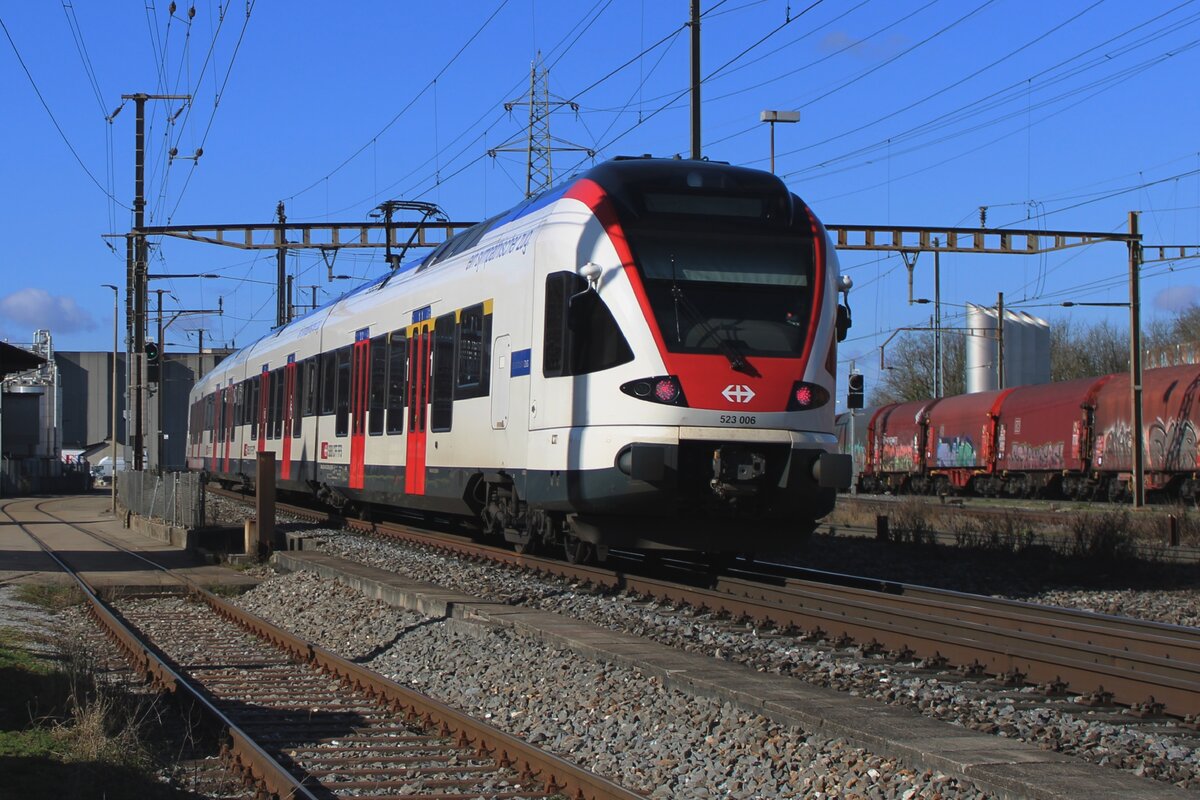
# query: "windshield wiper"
736, 360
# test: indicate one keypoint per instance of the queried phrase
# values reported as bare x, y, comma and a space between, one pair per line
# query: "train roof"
621, 178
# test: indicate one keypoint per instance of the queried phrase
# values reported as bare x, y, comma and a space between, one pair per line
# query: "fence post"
264, 501
1172, 530
882, 532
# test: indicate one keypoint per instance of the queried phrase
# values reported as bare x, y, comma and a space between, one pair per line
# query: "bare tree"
1085, 351
908, 368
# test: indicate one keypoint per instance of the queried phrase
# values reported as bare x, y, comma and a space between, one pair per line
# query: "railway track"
303, 723
1040, 521
1149, 668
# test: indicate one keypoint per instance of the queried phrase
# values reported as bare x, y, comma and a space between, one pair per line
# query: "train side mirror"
843, 323
844, 319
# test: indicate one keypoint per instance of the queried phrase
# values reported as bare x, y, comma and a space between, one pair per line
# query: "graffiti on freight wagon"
956, 451
1048, 455
898, 456
1172, 444
1114, 446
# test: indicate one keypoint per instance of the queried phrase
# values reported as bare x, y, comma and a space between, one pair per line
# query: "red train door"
359, 371
419, 339
264, 398
289, 398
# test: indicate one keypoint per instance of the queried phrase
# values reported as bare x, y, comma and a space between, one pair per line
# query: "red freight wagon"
1170, 412
962, 438
1043, 436
895, 446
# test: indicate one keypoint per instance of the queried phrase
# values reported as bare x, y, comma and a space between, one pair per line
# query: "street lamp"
112, 478
777, 116
1135, 382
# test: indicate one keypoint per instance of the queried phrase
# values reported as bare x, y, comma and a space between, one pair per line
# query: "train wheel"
576, 550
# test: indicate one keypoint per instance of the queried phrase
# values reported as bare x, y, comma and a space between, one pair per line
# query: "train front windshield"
725, 273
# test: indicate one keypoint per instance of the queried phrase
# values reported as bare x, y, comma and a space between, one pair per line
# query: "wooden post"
264, 501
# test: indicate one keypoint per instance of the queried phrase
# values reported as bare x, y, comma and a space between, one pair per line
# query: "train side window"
581, 335
328, 382
272, 393
252, 411
312, 384
220, 415
378, 392
277, 392
342, 422
297, 397
442, 393
397, 372
474, 346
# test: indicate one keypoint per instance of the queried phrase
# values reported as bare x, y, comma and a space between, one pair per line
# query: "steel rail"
929, 629
247, 757
555, 774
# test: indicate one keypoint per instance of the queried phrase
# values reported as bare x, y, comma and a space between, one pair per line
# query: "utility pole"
281, 305
162, 382
291, 303
1135, 359
695, 25
938, 370
135, 255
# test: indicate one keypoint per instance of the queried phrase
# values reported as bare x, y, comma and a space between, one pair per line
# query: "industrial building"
56, 412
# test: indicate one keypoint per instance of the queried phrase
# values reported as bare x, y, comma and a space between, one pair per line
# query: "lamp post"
1135, 381
777, 116
112, 479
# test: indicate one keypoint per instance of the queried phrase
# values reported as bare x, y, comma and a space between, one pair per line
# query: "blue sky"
1061, 115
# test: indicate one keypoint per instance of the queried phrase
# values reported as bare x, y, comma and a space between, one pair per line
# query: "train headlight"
664, 389
807, 396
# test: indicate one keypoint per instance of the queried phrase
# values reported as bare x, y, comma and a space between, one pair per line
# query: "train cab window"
342, 422
442, 394
378, 390
473, 363
297, 395
581, 335
397, 372
312, 384
328, 382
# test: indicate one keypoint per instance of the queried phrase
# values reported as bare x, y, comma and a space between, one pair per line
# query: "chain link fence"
173, 497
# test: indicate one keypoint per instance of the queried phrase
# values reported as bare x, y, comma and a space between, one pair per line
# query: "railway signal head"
153, 362
854, 398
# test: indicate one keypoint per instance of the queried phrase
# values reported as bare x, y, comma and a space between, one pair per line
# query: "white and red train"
643, 357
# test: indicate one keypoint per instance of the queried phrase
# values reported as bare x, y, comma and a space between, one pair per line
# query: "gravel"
1158, 749
619, 722
1172, 606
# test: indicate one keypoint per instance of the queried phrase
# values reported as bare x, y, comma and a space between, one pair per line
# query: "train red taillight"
661, 389
807, 396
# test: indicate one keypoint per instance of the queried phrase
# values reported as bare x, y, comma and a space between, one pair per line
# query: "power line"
57, 127
405, 109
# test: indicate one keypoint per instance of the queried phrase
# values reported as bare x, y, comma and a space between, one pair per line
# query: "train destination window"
397, 371
378, 390
474, 338
342, 421
580, 334
328, 382
442, 394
